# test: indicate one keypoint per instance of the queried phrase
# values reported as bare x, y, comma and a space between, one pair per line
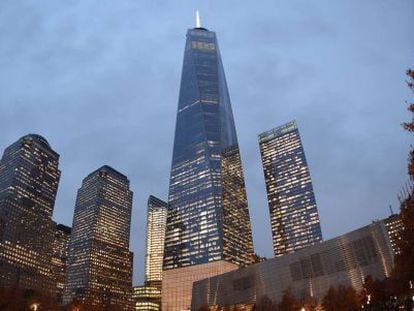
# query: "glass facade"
156, 222
394, 226
29, 178
237, 235
60, 256
99, 268
146, 298
208, 224
177, 284
200, 228
292, 205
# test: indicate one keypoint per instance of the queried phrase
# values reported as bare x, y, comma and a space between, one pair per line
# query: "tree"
376, 294
43, 302
289, 302
409, 126
11, 298
309, 303
14, 298
264, 304
257, 258
404, 261
328, 302
342, 298
87, 305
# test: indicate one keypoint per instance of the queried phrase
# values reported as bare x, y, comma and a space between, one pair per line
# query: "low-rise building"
309, 272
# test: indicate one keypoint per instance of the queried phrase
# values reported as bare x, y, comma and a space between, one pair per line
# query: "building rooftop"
64, 228
37, 138
278, 131
108, 169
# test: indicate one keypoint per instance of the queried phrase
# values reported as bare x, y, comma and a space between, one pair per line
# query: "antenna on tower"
198, 20
391, 210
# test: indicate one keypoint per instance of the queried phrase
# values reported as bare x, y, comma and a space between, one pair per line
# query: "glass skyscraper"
99, 270
156, 222
60, 256
293, 212
148, 297
394, 227
29, 178
208, 221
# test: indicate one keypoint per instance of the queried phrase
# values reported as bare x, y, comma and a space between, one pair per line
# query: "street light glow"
34, 306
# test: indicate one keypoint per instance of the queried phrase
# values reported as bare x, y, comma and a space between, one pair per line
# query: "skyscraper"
99, 268
156, 222
292, 206
148, 297
394, 227
208, 226
59, 257
29, 178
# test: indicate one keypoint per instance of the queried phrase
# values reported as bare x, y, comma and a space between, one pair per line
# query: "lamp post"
410, 299
34, 306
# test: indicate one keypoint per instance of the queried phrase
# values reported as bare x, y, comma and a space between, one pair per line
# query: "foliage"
89, 305
16, 299
379, 293
404, 261
309, 304
289, 302
11, 298
264, 304
257, 258
341, 298
409, 126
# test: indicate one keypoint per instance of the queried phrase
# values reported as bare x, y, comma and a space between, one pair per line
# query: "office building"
99, 270
156, 222
59, 257
309, 272
146, 298
29, 178
394, 227
208, 225
293, 213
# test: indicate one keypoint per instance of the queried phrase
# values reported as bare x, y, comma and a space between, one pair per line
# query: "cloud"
100, 81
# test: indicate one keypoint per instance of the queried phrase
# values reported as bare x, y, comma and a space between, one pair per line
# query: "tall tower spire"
198, 20
208, 228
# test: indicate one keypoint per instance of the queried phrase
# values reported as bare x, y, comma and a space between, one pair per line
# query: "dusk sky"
99, 79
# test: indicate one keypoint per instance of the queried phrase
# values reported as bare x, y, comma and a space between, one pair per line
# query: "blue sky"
100, 80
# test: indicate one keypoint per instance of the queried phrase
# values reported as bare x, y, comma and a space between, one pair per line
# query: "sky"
99, 79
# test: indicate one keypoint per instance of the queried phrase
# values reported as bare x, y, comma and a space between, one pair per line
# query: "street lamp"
34, 306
